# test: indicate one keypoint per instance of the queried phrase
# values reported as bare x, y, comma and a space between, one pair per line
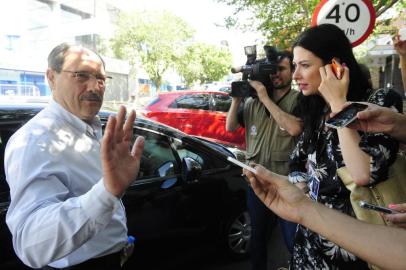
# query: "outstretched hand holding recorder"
378, 208
346, 116
242, 165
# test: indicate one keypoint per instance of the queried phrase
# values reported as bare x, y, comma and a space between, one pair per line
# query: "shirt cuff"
99, 204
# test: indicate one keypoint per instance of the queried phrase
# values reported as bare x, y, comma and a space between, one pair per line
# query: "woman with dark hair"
322, 150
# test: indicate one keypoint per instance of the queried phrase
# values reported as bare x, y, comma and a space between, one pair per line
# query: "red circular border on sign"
371, 9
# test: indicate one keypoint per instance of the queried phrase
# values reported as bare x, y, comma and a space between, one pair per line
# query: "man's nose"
95, 84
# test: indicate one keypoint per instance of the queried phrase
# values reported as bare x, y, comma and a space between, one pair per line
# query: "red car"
199, 113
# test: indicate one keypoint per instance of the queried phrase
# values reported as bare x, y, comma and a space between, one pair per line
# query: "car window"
185, 150
5, 134
2, 173
194, 102
153, 101
226, 89
157, 159
188, 153
221, 103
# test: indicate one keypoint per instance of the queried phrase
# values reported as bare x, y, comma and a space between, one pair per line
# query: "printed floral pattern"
311, 250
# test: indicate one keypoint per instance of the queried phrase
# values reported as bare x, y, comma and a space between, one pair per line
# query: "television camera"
258, 70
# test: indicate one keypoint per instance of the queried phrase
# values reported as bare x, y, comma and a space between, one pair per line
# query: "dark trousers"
288, 232
262, 223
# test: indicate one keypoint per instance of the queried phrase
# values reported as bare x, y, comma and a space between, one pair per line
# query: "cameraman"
270, 131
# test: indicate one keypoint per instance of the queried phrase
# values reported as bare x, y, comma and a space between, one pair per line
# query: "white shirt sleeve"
46, 219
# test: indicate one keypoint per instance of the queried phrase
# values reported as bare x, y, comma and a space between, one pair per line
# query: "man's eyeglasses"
83, 76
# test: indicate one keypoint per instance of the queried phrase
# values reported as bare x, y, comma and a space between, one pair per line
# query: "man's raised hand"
120, 164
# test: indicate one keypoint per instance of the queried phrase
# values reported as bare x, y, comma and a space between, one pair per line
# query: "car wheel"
238, 235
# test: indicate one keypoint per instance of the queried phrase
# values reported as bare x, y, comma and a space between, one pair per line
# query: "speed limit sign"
355, 17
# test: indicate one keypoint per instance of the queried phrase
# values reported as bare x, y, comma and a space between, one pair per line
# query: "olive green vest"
267, 143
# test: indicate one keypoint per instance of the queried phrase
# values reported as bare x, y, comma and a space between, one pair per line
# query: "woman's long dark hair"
327, 41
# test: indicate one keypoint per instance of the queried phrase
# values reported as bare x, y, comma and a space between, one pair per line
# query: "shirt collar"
93, 129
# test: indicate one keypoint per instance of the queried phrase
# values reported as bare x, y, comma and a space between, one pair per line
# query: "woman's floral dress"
318, 168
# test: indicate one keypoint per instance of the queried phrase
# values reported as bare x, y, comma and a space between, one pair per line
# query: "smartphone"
378, 208
242, 165
337, 68
346, 116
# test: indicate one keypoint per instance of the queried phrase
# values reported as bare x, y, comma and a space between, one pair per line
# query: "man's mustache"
92, 97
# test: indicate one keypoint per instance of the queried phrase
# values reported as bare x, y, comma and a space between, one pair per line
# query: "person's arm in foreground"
289, 122
400, 47
48, 223
398, 219
334, 91
380, 245
381, 119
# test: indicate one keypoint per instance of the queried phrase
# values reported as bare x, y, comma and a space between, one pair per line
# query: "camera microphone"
244, 68
236, 69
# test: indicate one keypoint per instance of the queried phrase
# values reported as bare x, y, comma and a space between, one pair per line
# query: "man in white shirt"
65, 182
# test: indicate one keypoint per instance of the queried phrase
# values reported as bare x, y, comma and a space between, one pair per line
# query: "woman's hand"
278, 194
399, 219
399, 45
333, 90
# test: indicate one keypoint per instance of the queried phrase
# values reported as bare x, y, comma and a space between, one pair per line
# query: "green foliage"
281, 20
156, 39
385, 25
204, 63
160, 41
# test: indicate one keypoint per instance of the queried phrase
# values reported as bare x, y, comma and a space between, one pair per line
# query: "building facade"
31, 28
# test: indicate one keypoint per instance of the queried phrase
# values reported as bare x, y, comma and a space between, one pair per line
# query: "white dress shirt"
60, 212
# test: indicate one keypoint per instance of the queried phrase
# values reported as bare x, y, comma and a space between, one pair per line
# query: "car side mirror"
191, 170
165, 169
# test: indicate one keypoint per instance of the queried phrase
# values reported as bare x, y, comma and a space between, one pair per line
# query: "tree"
204, 63
156, 39
386, 26
281, 20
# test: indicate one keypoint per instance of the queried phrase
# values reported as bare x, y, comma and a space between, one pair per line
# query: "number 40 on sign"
355, 17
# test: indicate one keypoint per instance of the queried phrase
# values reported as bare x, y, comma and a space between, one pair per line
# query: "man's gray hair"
56, 57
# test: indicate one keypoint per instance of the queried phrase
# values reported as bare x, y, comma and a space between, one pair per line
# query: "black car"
186, 194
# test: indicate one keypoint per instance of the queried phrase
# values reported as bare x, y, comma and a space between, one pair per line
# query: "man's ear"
51, 78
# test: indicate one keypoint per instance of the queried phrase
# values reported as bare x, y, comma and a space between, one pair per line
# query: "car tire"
237, 235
